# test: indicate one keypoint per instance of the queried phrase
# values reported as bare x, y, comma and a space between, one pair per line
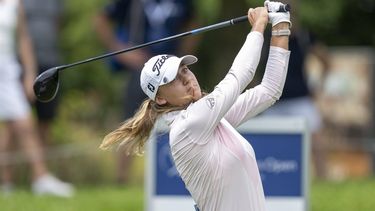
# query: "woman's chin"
197, 96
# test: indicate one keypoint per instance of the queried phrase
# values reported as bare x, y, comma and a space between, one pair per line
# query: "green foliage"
312, 14
207, 10
90, 86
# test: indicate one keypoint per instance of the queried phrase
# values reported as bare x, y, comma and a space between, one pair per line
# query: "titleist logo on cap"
159, 63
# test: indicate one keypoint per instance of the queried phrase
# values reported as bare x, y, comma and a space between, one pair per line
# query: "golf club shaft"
192, 32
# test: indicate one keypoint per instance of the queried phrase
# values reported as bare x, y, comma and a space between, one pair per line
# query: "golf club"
47, 83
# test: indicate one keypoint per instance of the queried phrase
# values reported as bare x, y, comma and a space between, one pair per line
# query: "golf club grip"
239, 19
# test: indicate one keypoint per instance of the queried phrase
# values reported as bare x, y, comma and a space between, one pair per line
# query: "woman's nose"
186, 81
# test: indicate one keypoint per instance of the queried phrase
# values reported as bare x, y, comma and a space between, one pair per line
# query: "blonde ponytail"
134, 132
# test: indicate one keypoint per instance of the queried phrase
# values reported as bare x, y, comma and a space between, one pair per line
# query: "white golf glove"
274, 16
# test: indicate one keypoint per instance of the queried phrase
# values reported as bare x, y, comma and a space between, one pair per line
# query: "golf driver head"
46, 85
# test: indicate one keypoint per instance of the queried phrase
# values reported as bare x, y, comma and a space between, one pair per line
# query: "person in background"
43, 20
125, 23
297, 99
16, 81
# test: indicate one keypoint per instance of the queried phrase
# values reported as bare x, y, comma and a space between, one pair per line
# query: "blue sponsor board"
279, 156
168, 181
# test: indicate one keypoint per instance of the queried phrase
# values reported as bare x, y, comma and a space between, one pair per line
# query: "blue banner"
279, 158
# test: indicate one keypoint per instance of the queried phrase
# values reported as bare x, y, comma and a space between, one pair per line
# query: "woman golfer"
216, 163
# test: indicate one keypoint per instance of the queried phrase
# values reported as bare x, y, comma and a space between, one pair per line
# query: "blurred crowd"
28, 36
329, 87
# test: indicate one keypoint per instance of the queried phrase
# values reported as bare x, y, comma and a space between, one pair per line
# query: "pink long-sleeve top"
218, 165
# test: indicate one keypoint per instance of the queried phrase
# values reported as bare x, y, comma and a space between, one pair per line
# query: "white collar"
169, 117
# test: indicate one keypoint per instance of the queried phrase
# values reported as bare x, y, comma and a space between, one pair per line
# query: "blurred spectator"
15, 91
125, 23
298, 97
43, 20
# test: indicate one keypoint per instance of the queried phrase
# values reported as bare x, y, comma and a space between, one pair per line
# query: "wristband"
281, 32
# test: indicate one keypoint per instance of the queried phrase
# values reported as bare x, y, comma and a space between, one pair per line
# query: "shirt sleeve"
259, 98
204, 115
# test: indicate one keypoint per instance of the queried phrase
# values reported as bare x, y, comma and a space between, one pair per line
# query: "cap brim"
188, 59
171, 74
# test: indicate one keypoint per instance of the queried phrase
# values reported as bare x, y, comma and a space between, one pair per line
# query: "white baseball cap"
160, 70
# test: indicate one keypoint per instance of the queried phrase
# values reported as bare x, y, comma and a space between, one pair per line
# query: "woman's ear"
160, 100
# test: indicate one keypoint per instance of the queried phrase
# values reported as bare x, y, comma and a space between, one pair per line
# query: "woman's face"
183, 90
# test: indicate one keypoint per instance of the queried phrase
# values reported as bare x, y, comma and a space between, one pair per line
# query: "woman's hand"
258, 18
277, 18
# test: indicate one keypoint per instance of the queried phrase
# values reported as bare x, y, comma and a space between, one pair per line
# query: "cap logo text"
151, 87
159, 63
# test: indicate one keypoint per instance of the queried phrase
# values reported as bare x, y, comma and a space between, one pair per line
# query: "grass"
325, 196
86, 199
343, 196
